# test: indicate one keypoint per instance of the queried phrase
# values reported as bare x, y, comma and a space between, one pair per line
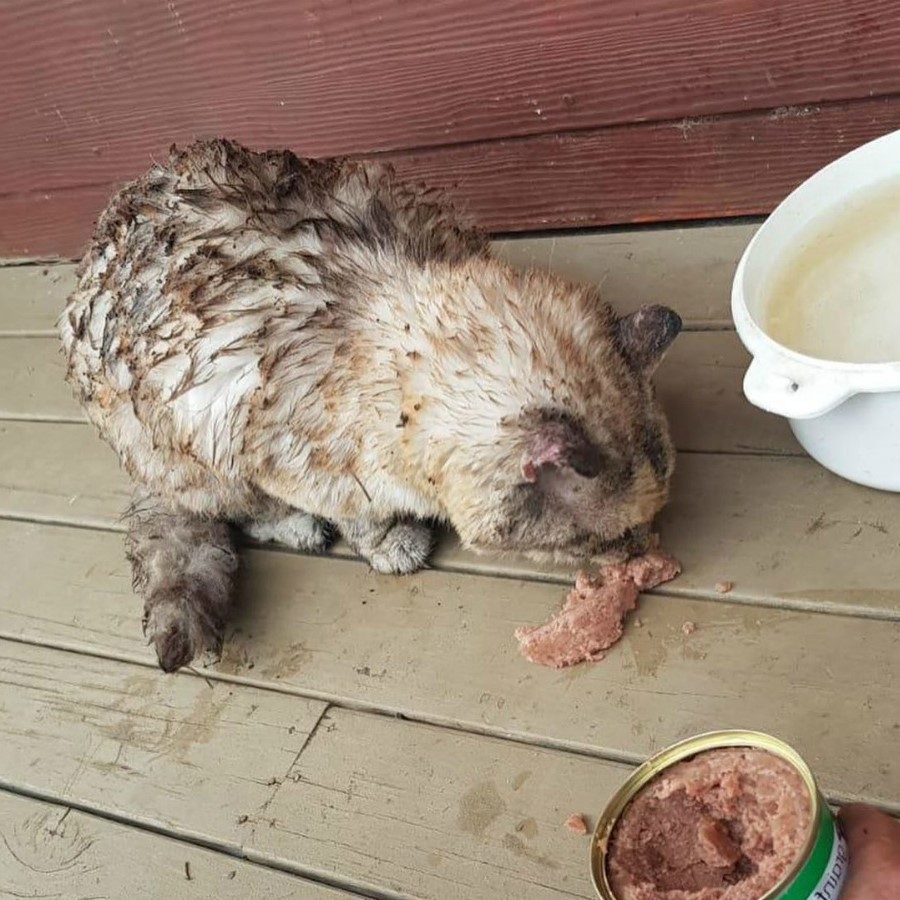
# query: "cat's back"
189, 266
201, 272
188, 239
222, 235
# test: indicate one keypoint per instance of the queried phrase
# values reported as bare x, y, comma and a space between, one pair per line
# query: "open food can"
819, 865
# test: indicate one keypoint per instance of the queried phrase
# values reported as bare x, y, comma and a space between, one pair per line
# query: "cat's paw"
300, 531
177, 632
403, 550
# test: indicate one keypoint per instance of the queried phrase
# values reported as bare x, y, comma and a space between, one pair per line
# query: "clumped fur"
290, 345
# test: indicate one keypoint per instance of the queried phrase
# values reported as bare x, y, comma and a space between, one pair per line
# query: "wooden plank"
123, 733
690, 269
699, 383
54, 851
338, 78
396, 807
32, 297
787, 532
439, 647
32, 381
691, 169
79, 473
30, 301
783, 529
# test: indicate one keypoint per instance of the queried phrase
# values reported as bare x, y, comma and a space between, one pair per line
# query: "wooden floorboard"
33, 296
397, 807
439, 647
52, 851
784, 530
129, 733
690, 269
32, 381
699, 383
77, 471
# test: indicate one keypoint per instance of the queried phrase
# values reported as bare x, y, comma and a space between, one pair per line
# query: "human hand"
873, 840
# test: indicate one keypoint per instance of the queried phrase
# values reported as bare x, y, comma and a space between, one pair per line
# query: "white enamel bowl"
846, 415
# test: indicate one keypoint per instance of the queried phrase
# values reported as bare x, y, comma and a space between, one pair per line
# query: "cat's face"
590, 484
603, 511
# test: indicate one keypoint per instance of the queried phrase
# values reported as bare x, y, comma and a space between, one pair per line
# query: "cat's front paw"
403, 550
298, 530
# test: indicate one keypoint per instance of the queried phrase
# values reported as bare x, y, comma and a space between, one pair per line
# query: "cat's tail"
183, 565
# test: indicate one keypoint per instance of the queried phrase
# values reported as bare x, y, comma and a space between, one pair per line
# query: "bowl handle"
803, 394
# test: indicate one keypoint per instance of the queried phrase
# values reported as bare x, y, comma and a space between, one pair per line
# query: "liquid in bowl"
836, 295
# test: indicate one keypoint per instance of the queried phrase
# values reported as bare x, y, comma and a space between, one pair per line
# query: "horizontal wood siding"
539, 113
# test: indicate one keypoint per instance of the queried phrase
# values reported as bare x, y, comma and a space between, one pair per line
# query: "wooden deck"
377, 736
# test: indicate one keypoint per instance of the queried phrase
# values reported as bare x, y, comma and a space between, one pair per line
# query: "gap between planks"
343, 553
332, 701
323, 628
30, 333
699, 385
690, 268
731, 518
339, 701
196, 760
188, 841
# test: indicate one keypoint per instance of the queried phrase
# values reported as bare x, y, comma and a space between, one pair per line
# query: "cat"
290, 345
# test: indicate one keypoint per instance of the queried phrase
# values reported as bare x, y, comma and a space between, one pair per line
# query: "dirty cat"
290, 347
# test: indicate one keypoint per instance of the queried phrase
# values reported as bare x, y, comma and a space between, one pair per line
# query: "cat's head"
584, 481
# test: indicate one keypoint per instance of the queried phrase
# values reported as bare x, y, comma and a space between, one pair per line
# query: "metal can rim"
664, 759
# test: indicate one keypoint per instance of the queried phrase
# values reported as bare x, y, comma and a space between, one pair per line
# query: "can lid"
664, 759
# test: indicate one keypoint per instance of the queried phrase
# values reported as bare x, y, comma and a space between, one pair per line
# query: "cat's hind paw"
403, 550
299, 530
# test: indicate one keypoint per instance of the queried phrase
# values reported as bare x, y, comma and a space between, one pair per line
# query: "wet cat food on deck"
728, 824
576, 824
592, 619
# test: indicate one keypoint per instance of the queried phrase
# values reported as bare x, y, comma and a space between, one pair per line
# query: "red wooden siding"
540, 113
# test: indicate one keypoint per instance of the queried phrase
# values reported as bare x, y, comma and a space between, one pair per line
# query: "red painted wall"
539, 114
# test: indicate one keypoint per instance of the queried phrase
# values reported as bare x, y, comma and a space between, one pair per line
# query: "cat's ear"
554, 438
645, 335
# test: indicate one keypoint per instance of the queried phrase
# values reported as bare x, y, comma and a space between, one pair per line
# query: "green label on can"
822, 878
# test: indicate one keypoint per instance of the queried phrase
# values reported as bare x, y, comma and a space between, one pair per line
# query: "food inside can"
728, 824
730, 815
